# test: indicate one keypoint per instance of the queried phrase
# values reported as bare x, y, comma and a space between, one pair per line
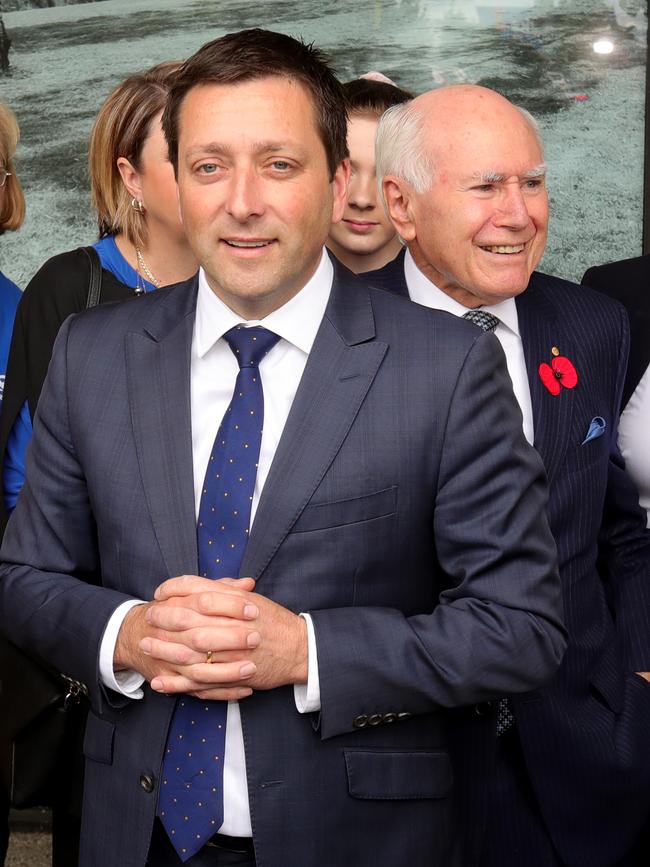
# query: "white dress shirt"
214, 370
633, 437
423, 291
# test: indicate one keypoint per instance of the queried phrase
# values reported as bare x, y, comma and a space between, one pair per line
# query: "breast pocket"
340, 513
587, 455
398, 775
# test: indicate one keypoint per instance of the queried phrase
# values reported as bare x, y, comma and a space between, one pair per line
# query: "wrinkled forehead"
490, 148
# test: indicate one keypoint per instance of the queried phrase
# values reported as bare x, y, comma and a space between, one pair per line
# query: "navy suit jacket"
585, 735
403, 509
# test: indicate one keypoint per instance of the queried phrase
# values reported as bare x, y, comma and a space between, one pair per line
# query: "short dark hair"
252, 54
369, 97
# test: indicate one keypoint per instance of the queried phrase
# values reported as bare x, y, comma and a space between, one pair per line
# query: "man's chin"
502, 283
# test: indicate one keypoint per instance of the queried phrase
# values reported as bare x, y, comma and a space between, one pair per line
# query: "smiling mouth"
246, 244
504, 249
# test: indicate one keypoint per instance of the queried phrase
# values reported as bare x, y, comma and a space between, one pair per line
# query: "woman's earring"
137, 205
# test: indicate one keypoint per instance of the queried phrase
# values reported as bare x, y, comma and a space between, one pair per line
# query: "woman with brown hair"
141, 247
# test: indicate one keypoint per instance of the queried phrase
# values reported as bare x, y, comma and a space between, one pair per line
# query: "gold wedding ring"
208, 656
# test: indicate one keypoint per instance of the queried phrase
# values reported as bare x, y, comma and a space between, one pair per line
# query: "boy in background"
365, 238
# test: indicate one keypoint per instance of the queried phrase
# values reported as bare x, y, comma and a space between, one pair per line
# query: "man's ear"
130, 178
340, 190
398, 193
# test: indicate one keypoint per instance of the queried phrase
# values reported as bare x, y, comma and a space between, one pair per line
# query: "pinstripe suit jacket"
585, 735
382, 515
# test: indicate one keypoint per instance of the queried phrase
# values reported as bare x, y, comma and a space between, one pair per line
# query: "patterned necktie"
190, 803
488, 322
482, 318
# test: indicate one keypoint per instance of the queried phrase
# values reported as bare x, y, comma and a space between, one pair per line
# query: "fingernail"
156, 594
248, 669
253, 639
148, 615
251, 611
244, 693
145, 645
157, 684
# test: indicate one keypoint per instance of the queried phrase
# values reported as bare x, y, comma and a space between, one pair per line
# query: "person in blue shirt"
12, 213
141, 246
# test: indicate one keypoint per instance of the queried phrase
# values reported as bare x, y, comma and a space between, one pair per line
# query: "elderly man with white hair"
568, 775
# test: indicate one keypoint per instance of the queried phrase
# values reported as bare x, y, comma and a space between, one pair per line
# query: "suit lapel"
342, 365
541, 329
158, 374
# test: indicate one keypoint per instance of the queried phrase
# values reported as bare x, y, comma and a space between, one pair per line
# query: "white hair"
400, 146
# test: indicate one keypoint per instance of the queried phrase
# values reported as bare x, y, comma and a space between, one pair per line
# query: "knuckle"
184, 618
205, 602
183, 655
204, 640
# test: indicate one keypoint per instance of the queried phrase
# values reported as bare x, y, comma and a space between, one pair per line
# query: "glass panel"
578, 65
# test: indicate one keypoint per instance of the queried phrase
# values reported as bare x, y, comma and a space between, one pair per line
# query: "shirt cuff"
307, 695
127, 682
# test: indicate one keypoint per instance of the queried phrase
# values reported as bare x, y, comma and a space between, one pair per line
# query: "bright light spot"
603, 46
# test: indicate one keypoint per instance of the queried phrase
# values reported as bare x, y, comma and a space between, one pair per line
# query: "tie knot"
482, 318
250, 345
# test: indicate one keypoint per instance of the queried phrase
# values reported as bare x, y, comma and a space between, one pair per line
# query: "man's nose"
513, 209
244, 195
362, 193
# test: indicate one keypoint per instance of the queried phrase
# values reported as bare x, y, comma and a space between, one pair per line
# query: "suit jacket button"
146, 782
360, 722
390, 717
375, 720
404, 715
483, 708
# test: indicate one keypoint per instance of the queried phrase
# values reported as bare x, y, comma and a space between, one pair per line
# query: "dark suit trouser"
515, 834
163, 854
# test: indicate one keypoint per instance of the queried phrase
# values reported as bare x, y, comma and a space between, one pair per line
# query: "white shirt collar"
297, 321
423, 291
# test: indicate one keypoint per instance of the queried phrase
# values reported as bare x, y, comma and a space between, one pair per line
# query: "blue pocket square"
596, 429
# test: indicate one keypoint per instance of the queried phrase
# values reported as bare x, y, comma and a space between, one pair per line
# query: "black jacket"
57, 290
629, 282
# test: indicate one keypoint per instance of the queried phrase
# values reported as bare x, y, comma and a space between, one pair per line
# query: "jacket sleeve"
497, 629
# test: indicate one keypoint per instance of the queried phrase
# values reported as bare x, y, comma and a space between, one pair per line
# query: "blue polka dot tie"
190, 803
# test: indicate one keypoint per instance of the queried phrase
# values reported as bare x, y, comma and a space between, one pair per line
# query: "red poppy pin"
560, 373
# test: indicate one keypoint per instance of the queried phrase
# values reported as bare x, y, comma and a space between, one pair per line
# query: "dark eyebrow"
222, 149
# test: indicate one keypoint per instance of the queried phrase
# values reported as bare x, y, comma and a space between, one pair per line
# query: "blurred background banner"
578, 65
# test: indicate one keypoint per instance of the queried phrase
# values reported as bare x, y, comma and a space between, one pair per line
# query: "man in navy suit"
392, 500
464, 181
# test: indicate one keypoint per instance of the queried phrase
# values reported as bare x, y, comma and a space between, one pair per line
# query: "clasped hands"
254, 643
